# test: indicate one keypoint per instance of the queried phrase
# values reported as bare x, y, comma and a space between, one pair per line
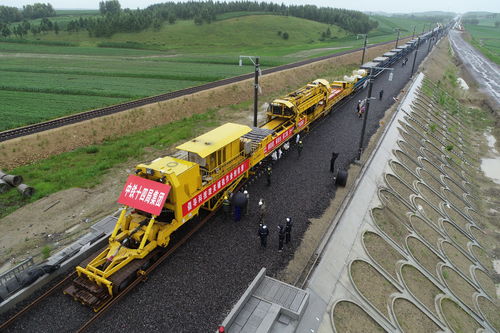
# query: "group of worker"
284, 234
284, 231
239, 209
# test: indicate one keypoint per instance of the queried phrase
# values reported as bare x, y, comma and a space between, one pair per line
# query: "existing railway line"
208, 274
87, 115
87, 322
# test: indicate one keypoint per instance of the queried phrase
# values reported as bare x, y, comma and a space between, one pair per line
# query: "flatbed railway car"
167, 193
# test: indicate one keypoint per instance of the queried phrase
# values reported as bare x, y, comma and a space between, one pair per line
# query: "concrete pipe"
4, 187
13, 180
25, 190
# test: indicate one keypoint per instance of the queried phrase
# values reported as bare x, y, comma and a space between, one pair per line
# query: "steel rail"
36, 301
143, 277
109, 304
92, 114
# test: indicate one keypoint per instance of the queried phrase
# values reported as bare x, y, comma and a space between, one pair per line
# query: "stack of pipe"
7, 181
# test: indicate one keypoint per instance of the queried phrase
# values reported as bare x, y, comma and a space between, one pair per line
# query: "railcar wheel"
341, 179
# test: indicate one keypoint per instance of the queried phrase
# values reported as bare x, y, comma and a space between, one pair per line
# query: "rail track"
140, 278
79, 117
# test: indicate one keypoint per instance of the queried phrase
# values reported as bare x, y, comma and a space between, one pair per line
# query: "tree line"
114, 19
29, 12
25, 27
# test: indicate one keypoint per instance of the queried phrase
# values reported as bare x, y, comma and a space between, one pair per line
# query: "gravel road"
485, 72
194, 289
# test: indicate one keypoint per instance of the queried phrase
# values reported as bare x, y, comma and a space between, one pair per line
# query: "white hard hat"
245, 192
260, 202
288, 219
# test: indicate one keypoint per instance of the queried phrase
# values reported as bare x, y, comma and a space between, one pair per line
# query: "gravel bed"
195, 288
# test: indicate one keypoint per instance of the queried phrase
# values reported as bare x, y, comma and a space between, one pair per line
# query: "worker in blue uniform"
263, 233
269, 172
281, 237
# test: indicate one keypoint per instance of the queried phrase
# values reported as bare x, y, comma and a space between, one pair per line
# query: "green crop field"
48, 75
486, 37
21, 108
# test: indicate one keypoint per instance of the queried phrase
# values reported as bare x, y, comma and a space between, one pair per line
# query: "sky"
389, 6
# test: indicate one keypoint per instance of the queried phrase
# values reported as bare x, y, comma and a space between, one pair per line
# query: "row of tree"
23, 28
114, 19
37, 10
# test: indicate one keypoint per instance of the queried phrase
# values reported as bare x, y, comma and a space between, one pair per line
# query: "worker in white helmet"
288, 230
226, 207
262, 210
247, 196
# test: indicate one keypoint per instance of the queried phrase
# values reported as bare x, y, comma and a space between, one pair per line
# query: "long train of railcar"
163, 195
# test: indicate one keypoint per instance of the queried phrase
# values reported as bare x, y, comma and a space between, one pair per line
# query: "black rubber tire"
341, 179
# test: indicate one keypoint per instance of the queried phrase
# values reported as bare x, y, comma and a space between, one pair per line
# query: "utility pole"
423, 29
256, 92
429, 48
413, 36
256, 85
397, 39
370, 86
415, 58
364, 49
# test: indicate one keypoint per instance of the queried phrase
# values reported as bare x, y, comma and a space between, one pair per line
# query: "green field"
387, 25
21, 108
486, 37
49, 75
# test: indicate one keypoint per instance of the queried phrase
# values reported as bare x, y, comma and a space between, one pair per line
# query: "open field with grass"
486, 37
52, 75
387, 25
85, 167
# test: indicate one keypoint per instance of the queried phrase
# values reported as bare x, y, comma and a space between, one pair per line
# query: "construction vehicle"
167, 193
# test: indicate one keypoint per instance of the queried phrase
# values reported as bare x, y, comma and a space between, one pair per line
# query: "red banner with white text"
215, 188
144, 194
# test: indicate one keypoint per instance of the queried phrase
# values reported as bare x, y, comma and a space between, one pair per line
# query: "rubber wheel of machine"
341, 179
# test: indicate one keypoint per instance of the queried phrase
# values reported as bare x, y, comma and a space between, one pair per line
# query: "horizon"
390, 6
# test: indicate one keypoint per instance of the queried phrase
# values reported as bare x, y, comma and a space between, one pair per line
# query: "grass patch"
46, 251
85, 167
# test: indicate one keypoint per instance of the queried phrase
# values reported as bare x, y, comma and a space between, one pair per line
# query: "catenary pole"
370, 85
364, 49
256, 92
415, 58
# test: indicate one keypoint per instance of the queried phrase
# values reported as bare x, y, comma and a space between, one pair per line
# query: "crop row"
23, 108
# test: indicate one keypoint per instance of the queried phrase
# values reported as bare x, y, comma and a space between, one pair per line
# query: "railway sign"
144, 194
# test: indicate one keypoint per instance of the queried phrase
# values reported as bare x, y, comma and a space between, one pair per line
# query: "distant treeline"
37, 10
117, 20
114, 19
